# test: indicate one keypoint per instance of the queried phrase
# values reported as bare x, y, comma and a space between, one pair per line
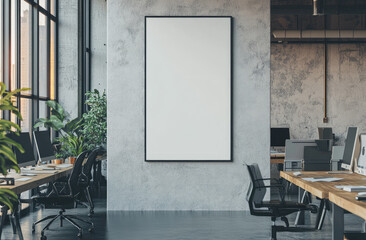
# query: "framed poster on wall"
188, 88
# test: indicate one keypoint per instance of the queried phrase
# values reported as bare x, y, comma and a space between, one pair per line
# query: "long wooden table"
22, 186
35, 181
343, 200
340, 199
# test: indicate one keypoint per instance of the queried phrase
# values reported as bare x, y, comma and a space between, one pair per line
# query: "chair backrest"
256, 192
89, 163
76, 171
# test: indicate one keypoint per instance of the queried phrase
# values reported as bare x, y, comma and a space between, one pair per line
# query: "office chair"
64, 201
85, 180
274, 208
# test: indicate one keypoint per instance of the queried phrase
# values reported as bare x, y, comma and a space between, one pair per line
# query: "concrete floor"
172, 226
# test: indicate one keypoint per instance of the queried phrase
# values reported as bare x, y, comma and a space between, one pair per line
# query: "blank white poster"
188, 89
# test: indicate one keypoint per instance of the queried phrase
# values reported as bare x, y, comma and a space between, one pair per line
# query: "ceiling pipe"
325, 118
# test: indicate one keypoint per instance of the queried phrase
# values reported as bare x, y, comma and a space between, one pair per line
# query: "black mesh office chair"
274, 208
85, 181
64, 201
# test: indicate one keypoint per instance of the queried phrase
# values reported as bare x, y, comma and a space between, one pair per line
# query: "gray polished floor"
173, 225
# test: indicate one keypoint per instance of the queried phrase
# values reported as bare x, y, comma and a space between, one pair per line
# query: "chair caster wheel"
33, 228
91, 229
43, 238
80, 234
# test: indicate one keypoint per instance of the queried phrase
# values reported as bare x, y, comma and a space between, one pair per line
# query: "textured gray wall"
297, 88
68, 55
137, 185
98, 36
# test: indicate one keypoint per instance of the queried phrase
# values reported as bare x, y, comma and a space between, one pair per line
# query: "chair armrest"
268, 179
280, 188
271, 186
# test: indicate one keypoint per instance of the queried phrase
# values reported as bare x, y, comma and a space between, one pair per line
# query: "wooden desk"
340, 199
41, 178
278, 158
322, 189
22, 186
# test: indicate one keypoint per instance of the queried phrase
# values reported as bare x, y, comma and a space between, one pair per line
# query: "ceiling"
298, 15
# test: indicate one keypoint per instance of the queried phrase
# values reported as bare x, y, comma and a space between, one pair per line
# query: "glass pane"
52, 60
1, 42
53, 7
26, 111
43, 86
43, 4
42, 112
25, 46
13, 47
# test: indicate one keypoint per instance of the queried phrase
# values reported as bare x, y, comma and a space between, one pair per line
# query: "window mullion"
35, 64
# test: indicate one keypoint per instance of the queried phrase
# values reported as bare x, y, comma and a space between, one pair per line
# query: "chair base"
70, 218
276, 229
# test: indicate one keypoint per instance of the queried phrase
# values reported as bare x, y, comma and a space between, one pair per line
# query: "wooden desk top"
322, 189
277, 155
41, 178
347, 201
277, 160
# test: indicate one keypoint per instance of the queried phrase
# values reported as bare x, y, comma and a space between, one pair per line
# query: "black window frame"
84, 58
5, 44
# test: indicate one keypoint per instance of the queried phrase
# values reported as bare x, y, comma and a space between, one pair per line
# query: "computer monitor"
279, 136
44, 146
361, 161
295, 149
325, 133
27, 158
349, 148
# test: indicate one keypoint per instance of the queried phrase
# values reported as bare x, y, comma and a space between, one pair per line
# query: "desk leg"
4, 212
16, 213
337, 223
300, 217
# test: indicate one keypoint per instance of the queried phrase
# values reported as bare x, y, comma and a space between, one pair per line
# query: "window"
28, 43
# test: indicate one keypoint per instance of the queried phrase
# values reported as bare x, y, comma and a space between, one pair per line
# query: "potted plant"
7, 156
72, 145
95, 120
68, 130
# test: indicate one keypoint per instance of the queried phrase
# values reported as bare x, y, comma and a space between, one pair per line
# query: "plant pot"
72, 160
58, 161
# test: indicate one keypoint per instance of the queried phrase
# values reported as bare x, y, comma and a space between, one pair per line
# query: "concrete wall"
98, 37
68, 55
297, 88
137, 185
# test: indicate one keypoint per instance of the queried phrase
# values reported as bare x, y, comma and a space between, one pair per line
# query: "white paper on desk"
23, 179
325, 179
343, 186
40, 171
64, 165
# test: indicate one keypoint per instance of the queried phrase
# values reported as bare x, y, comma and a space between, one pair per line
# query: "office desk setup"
339, 199
25, 183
